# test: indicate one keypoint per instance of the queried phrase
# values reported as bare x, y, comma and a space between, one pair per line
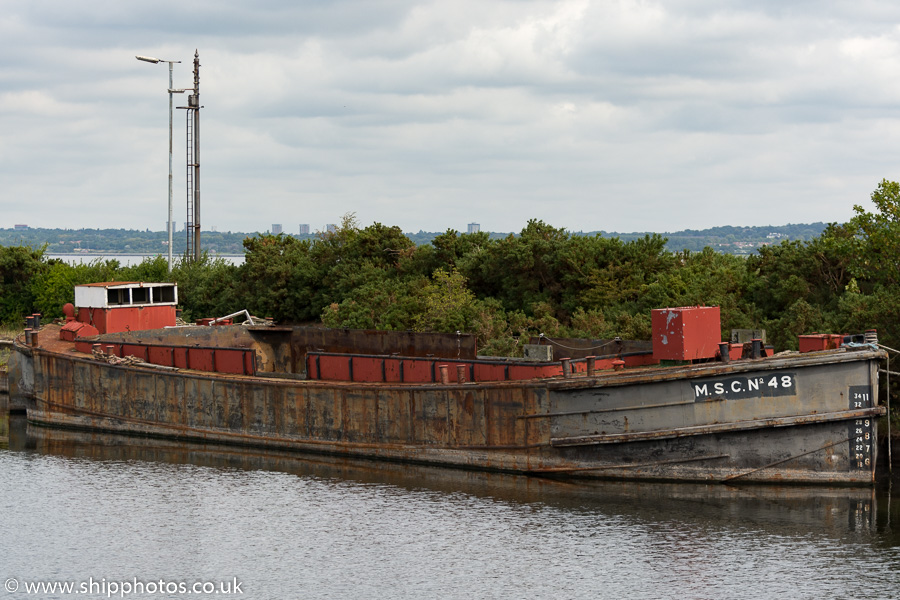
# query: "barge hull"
609, 426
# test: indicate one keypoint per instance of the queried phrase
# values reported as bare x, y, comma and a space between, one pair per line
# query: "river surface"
129, 516
129, 260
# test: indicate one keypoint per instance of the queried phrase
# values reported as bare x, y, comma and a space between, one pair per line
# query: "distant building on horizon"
474, 228
304, 228
331, 228
276, 228
20, 226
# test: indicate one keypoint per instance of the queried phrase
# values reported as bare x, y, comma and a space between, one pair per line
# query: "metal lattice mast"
189, 179
192, 228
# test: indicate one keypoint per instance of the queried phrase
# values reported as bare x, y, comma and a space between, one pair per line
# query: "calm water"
115, 509
127, 260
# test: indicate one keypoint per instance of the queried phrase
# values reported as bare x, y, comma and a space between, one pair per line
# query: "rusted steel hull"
5, 347
4, 392
802, 419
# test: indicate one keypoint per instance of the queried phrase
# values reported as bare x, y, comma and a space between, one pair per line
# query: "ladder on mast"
189, 224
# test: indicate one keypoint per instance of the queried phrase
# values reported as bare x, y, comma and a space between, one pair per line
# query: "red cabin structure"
126, 305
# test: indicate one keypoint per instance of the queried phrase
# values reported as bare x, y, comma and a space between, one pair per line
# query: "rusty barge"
691, 408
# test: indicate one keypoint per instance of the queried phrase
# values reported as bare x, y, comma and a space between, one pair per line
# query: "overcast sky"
613, 115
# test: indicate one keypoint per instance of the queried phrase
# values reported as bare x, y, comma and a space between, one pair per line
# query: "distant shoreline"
101, 253
230, 245
131, 259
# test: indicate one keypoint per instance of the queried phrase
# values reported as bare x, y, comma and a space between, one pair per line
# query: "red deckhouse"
126, 305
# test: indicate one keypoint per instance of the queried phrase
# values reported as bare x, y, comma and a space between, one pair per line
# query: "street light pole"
150, 59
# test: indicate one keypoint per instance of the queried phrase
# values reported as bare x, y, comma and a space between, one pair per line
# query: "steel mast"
192, 226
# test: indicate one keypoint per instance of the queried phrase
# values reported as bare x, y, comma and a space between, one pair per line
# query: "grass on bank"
6, 334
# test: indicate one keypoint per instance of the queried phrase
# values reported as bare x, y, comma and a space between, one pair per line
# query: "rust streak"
784, 460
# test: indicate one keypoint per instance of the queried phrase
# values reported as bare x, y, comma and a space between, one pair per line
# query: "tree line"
544, 280
727, 240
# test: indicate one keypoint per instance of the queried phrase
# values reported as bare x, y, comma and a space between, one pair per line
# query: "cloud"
620, 115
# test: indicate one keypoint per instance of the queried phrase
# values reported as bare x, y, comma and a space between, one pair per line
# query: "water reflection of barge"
800, 418
818, 509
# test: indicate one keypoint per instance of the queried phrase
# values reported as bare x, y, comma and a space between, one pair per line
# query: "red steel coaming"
395, 369
235, 361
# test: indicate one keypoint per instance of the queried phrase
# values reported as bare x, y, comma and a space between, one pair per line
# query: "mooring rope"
888, 398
